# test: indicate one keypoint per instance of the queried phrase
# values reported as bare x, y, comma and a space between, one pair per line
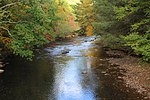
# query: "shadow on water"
25, 80
53, 75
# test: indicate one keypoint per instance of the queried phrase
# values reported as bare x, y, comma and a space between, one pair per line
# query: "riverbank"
130, 75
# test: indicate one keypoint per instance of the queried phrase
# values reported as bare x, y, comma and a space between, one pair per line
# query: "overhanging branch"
6, 30
8, 5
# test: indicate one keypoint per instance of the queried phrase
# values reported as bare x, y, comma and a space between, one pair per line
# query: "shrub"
140, 44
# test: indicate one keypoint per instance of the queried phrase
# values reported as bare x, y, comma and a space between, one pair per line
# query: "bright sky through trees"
73, 1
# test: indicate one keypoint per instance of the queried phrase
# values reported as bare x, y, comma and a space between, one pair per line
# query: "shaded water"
56, 76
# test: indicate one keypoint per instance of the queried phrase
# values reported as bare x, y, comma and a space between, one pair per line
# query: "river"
62, 72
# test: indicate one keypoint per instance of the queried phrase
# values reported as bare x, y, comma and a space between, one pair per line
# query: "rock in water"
1, 66
65, 51
84, 72
1, 71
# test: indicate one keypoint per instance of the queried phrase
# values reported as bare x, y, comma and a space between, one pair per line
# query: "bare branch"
8, 5
8, 22
6, 30
2, 22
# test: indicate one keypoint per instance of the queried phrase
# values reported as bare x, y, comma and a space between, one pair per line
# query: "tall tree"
85, 16
65, 14
104, 15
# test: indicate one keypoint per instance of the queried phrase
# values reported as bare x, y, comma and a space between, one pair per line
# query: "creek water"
62, 72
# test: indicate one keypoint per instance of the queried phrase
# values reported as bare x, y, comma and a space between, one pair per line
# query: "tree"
66, 23
104, 15
29, 24
85, 16
129, 18
137, 14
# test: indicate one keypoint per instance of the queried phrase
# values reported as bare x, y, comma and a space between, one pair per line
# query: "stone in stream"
84, 72
101, 60
92, 40
1, 66
65, 51
1, 71
85, 41
103, 72
148, 78
101, 65
119, 77
106, 74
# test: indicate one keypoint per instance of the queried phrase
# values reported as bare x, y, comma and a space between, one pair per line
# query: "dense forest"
124, 24
26, 25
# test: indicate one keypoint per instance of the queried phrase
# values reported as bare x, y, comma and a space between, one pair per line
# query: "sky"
73, 1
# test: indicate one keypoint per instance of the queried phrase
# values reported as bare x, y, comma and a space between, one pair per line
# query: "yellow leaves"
23, 12
27, 7
89, 30
64, 12
89, 27
48, 37
45, 7
5, 40
86, 16
91, 20
56, 1
60, 9
89, 33
91, 54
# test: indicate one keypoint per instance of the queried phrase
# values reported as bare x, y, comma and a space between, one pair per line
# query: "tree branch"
6, 30
8, 22
8, 5
12, 22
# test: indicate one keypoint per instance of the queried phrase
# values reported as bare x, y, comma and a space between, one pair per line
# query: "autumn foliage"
85, 17
28, 24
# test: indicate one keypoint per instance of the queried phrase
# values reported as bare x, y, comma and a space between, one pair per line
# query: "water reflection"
52, 76
71, 84
27, 80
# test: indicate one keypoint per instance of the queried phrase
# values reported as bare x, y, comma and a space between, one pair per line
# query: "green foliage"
137, 14
104, 15
109, 40
140, 44
127, 8
130, 18
102, 26
29, 24
24, 40
19, 49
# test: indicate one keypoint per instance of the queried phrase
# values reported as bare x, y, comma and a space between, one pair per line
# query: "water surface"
53, 75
